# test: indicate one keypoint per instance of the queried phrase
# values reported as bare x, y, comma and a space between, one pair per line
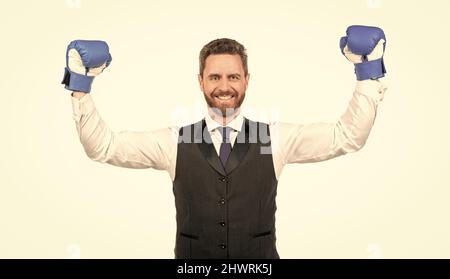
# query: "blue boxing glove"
364, 47
84, 61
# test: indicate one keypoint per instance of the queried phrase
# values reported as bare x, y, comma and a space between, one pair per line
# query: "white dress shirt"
291, 143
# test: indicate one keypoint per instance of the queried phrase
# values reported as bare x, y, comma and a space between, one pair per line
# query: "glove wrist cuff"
77, 82
370, 70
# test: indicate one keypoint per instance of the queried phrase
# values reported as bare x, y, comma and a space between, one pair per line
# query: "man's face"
224, 82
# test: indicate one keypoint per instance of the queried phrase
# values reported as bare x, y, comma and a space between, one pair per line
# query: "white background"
388, 200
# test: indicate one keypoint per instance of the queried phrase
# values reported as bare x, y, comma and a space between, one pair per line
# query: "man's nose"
224, 85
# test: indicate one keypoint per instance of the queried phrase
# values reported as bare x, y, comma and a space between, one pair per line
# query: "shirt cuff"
82, 106
371, 88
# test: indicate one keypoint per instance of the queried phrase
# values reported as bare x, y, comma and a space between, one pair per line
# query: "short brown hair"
223, 46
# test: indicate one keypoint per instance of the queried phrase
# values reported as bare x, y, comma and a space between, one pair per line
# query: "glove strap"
370, 70
77, 82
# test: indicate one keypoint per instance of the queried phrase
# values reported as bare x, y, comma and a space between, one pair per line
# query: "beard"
224, 108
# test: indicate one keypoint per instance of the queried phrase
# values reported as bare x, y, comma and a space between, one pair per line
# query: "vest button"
223, 179
222, 201
222, 224
223, 246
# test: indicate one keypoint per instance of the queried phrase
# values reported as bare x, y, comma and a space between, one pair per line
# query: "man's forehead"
223, 63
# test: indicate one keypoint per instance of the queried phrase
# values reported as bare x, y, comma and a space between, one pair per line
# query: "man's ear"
247, 78
200, 81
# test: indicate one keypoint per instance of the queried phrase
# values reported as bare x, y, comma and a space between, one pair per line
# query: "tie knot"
225, 131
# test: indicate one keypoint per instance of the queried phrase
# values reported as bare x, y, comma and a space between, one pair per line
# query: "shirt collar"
236, 123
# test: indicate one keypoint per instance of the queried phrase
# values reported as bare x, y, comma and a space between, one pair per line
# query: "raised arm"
146, 149
364, 47
303, 143
130, 149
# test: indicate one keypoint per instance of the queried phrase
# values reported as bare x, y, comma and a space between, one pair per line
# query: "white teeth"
224, 97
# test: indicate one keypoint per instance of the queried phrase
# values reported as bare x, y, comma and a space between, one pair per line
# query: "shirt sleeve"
303, 143
129, 149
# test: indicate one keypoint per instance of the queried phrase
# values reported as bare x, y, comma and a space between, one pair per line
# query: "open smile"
224, 97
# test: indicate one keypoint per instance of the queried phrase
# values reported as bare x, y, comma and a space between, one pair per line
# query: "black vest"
225, 213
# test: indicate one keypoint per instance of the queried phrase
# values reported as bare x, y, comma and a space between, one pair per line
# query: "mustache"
224, 93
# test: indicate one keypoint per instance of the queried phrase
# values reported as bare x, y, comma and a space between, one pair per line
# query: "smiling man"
225, 167
223, 77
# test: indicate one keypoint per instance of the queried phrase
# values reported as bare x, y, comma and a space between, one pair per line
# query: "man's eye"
234, 77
